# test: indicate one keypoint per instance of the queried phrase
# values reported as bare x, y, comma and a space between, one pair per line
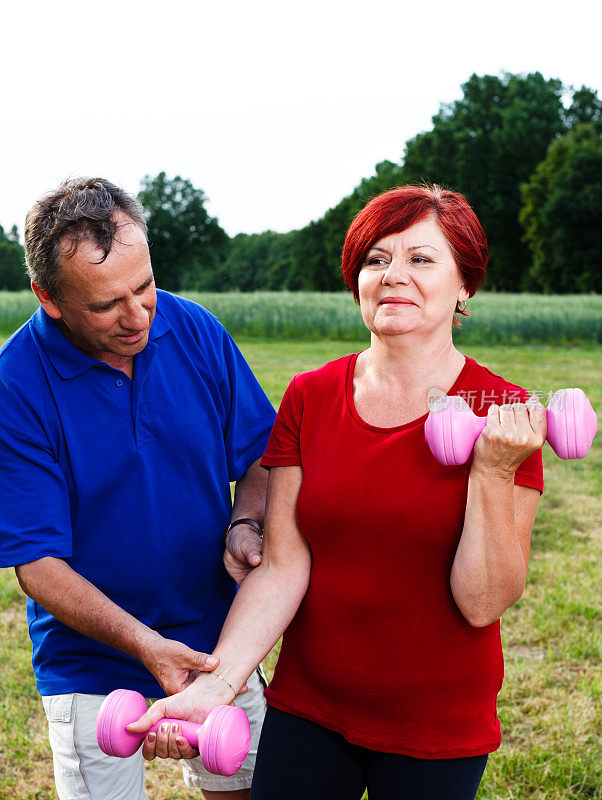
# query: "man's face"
108, 307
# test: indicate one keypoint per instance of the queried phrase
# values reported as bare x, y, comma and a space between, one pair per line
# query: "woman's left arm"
490, 566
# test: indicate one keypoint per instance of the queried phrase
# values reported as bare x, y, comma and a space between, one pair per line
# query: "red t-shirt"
378, 649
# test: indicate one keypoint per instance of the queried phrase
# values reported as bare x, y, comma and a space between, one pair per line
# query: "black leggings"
299, 760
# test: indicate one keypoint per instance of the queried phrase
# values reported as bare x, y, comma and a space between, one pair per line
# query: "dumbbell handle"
452, 428
190, 730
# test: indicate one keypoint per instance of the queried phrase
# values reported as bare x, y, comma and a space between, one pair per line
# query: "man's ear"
48, 304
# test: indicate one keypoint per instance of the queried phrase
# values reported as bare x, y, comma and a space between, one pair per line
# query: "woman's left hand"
512, 433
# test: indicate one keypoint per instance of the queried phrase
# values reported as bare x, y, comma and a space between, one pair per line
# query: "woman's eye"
421, 260
376, 262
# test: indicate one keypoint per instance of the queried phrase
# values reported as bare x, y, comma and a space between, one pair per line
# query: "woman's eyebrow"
420, 246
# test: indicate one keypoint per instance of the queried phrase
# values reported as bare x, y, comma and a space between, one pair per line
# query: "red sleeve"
530, 472
283, 448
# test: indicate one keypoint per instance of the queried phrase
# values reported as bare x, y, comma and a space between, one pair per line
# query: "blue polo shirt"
127, 481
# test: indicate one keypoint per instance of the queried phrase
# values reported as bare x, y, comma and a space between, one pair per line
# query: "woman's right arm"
262, 609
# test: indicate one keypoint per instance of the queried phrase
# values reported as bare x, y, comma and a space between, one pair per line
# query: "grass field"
550, 705
495, 318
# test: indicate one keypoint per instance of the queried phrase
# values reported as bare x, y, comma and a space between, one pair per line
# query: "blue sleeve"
250, 413
34, 502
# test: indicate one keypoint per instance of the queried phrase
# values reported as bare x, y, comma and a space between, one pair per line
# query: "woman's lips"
399, 301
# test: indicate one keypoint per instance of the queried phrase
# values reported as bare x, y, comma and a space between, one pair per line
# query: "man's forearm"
249, 494
79, 604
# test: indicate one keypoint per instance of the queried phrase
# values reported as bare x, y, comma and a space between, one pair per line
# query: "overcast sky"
275, 109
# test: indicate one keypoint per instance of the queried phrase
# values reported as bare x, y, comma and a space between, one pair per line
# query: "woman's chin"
394, 328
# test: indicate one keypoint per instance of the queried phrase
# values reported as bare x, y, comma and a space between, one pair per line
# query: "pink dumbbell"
223, 739
451, 428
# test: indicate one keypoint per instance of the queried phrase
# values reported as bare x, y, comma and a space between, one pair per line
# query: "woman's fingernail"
180, 742
175, 728
164, 727
151, 737
210, 661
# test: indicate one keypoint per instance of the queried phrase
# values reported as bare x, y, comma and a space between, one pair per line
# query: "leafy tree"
585, 107
257, 261
562, 216
13, 276
280, 268
485, 145
186, 244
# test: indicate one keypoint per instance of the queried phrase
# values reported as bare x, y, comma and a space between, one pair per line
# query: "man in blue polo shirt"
125, 413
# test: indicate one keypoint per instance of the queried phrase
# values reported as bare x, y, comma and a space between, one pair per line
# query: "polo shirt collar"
68, 360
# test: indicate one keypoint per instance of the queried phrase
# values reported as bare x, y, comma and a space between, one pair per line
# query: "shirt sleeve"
34, 502
284, 448
530, 472
250, 413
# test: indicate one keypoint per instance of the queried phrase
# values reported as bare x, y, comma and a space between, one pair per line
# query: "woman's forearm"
264, 605
262, 610
489, 570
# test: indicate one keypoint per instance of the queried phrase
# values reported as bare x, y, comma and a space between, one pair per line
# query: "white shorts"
83, 772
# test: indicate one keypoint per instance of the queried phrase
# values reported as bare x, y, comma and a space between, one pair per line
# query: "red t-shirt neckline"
468, 362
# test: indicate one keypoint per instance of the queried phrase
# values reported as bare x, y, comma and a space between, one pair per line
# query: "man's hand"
243, 551
174, 665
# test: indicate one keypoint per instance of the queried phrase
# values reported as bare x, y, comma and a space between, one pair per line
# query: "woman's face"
410, 282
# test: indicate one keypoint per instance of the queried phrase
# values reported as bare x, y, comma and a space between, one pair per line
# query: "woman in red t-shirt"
388, 571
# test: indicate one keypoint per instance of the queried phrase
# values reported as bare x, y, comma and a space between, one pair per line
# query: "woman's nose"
396, 272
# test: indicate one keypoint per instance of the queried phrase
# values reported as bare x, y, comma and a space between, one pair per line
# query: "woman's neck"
410, 365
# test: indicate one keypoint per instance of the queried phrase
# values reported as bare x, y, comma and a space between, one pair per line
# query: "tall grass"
495, 318
15, 309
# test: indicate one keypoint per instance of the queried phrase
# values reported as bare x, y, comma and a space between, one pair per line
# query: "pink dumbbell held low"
223, 739
451, 428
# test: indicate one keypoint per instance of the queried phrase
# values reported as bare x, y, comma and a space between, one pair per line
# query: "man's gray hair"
80, 209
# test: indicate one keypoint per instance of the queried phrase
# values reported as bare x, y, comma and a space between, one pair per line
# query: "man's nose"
135, 318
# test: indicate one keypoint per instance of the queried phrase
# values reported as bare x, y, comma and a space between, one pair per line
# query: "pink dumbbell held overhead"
451, 428
223, 739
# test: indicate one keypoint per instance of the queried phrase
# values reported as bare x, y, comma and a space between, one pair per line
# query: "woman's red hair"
398, 209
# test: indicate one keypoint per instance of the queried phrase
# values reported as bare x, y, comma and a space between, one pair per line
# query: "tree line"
529, 164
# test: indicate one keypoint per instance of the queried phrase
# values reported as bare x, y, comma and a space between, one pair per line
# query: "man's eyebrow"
108, 303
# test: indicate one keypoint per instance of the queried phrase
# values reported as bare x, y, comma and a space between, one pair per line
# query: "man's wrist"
145, 641
252, 523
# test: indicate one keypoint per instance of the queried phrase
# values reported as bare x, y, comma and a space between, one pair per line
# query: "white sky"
275, 109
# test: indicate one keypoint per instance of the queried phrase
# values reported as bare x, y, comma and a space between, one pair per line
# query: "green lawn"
550, 704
